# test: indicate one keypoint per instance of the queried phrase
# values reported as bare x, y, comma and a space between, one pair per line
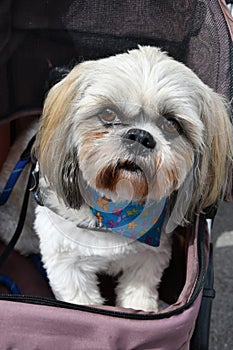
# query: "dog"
136, 130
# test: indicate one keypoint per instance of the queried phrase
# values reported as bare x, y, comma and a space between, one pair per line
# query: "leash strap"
20, 165
20, 224
23, 161
9, 284
12, 180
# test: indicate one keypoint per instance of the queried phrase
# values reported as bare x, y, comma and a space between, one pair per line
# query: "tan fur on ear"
52, 144
215, 163
56, 109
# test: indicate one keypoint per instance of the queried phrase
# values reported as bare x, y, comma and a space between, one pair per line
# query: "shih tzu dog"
128, 147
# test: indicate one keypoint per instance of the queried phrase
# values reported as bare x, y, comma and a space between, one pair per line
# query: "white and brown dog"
134, 128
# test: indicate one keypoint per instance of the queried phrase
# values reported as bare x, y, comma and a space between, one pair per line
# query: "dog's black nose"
141, 136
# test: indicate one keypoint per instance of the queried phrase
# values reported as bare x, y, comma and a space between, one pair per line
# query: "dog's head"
135, 125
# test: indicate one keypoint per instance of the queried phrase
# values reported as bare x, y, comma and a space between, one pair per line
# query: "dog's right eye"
109, 117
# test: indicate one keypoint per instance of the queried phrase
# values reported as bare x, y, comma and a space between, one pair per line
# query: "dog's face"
132, 126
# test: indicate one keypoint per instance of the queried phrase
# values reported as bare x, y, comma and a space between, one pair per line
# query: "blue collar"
134, 220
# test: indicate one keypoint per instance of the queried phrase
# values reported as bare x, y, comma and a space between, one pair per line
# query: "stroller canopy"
58, 32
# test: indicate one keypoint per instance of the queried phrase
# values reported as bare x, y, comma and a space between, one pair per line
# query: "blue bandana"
134, 220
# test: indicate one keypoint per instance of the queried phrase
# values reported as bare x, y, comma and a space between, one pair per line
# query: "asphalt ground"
221, 332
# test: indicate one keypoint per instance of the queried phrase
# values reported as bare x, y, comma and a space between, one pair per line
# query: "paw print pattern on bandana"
103, 203
134, 220
132, 212
132, 225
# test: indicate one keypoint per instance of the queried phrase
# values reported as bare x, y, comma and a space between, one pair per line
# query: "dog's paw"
80, 298
74, 286
139, 299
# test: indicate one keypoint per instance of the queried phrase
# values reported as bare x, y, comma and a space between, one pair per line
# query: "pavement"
221, 332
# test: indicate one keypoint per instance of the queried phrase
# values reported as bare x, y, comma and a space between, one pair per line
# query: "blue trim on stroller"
5, 194
36, 258
9, 284
24, 159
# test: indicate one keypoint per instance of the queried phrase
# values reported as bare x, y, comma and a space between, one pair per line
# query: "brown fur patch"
108, 178
96, 135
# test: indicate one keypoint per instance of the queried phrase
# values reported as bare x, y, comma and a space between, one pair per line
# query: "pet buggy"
35, 37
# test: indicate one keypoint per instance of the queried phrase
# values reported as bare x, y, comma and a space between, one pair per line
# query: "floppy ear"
207, 182
53, 147
69, 181
214, 163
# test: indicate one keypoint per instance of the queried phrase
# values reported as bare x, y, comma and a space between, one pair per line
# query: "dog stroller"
45, 34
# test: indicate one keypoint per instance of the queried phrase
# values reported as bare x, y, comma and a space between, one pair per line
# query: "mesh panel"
104, 28
58, 31
209, 50
194, 32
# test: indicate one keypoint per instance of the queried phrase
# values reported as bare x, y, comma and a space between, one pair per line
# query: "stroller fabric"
49, 33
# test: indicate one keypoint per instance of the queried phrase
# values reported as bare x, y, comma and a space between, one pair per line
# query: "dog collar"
134, 220
35, 185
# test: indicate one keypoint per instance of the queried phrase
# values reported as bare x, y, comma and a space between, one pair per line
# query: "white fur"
73, 256
143, 87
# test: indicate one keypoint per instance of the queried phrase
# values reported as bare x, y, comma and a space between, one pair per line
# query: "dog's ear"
207, 182
69, 181
213, 170
53, 146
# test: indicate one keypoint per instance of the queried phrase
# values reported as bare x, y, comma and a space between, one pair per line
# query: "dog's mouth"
128, 166
120, 173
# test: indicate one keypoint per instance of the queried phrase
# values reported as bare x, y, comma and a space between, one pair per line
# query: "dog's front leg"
70, 267
74, 280
138, 285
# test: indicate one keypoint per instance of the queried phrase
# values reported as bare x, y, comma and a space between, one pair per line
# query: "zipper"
37, 300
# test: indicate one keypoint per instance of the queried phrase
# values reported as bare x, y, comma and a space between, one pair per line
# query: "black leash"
6, 252
20, 224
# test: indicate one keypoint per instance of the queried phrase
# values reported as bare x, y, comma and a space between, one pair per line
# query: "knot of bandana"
134, 220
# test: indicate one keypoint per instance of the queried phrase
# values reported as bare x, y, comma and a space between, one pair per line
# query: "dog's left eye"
171, 125
109, 117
